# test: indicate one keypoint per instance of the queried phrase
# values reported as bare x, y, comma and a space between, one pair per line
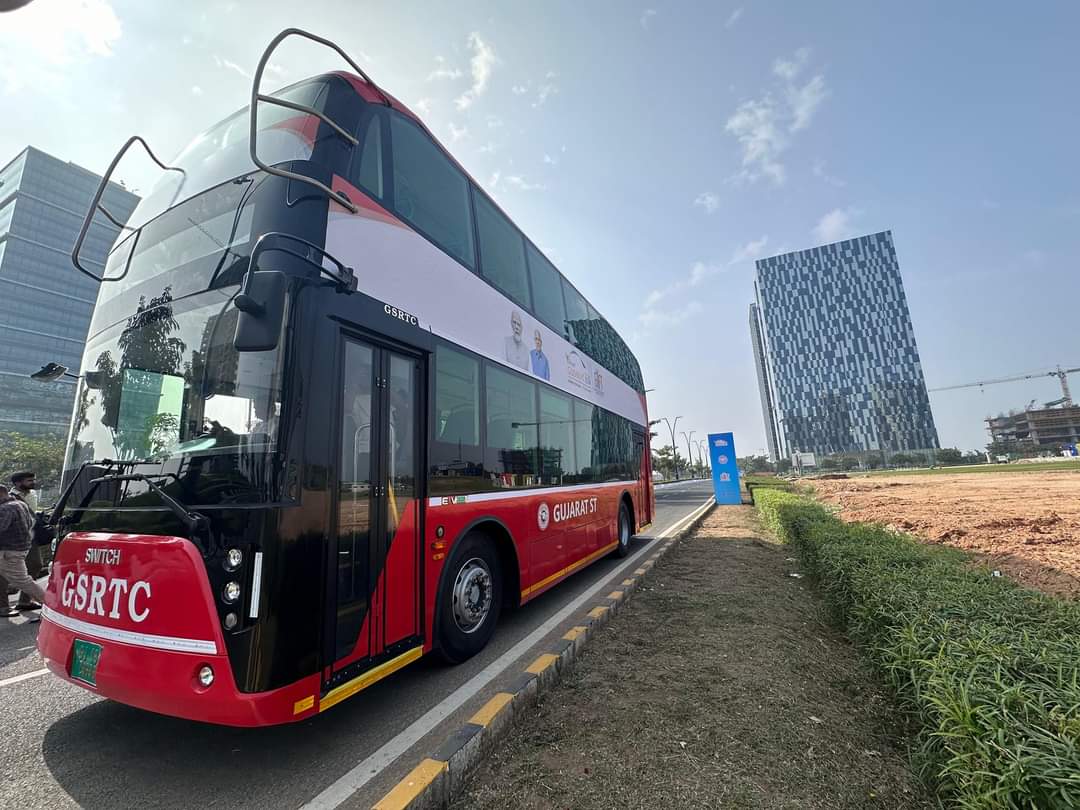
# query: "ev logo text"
542, 516
576, 508
90, 593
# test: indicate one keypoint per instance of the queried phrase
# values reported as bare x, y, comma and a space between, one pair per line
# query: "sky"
654, 151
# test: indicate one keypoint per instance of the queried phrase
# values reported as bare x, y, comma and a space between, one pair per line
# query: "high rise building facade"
45, 303
835, 352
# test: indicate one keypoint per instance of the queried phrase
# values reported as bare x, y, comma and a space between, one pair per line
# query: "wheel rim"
624, 529
472, 595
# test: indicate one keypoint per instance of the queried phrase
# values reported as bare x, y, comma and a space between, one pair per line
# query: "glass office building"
835, 352
45, 303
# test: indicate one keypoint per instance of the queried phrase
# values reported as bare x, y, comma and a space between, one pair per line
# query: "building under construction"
1048, 427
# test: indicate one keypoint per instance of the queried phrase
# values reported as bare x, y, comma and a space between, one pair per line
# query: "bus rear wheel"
624, 528
469, 600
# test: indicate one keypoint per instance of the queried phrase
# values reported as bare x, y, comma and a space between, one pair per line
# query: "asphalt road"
62, 747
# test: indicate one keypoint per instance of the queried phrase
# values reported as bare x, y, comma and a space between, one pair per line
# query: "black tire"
471, 574
624, 530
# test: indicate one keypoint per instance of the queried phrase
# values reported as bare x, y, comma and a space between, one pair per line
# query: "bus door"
375, 580
642, 502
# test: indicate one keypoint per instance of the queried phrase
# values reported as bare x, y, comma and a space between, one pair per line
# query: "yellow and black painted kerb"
433, 782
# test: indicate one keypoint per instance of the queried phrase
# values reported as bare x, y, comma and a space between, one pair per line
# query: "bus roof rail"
257, 96
95, 205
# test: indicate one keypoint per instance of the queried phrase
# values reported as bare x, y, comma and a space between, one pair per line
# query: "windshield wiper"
193, 521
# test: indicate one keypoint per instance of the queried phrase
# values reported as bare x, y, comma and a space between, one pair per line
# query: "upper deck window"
368, 171
577, 312
502, 251
547, 291
429, 191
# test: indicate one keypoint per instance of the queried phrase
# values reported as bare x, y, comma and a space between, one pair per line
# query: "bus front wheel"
470, 598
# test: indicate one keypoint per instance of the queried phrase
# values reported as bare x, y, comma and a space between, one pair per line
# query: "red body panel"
153, 643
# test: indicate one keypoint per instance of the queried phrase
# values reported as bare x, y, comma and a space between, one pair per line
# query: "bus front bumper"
167, 682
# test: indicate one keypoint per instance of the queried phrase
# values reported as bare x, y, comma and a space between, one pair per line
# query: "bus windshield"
166, 387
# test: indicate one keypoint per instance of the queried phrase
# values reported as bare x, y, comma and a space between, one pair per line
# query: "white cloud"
547, 88
225, 63
653, 317
487, 149
805, 100
423, 106
753, 249
59, 32
734, 18
443, 71
550, 161
835, 225
788, 69
646, 16
480, 66
494, 180
702, 271
756, 125
820, 171
519, 89
517, 181
708, 200
763, 125
457, 133
494, 122
196, 90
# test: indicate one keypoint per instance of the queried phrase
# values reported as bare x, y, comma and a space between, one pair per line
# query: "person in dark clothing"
16, 524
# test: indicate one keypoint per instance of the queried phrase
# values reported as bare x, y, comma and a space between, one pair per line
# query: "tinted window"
456, 460
584, 465
577, 313
512, 429
368, 175
556, 436
547, 291
613, 445
502, 251
429, 191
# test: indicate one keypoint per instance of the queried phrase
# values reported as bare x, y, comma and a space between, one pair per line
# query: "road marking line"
37, 673
370, 767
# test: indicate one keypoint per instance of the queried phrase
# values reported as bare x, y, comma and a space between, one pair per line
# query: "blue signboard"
725, 475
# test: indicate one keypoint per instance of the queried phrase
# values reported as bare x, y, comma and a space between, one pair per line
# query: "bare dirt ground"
718, 684
1025, 524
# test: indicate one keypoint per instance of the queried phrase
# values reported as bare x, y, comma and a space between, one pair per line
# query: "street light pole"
674, 449
700, 455
689, 452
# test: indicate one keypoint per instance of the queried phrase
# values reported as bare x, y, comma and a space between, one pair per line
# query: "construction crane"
1060, 373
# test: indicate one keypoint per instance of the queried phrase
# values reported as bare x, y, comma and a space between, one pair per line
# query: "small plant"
989, 671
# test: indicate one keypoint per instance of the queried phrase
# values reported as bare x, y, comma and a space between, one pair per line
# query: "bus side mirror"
262, 308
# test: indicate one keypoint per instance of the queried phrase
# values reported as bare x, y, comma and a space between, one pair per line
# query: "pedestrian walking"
23, 485
16, 525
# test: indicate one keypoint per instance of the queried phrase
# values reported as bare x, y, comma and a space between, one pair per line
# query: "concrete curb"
440, 777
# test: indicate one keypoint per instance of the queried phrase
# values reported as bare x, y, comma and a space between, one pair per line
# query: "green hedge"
988, 671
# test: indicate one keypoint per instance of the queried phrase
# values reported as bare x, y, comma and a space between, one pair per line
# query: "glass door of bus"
375, 590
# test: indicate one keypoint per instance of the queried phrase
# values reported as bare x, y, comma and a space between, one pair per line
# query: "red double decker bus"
336, 411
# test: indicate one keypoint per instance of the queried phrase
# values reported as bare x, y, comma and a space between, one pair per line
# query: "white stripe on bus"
170, 643
480, 497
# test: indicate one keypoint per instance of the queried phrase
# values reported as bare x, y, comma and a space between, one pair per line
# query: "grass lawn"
1034, 466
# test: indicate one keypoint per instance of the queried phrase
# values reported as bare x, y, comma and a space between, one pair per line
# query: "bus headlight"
233, 558
231, 620
206, 675
231, 592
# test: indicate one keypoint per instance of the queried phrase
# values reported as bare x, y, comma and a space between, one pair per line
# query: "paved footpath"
718, 685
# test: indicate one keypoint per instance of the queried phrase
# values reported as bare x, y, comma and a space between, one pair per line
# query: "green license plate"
84, 661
